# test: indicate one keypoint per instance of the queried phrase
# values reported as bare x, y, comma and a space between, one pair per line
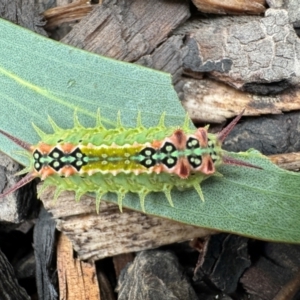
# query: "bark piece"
292, 7
290, 289
208, 101
154, 275
111, 232
9, 286
277, 267
231, 6
224, 261
44, 250
269, 135
127, 30
106, 291
77, 279
288, 161
25, 268
22, 204
275, 3
24, 13
264, 279
120, 261
168, 57
259, 56
284, 255
67, 13
206, 296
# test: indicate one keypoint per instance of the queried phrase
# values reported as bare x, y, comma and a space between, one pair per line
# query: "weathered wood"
154, 275
77, 279
106, 290
66, 13
250, 53
44, 250
208, 101
292, 8
290, 289
127, 30
288, 161
9, 205
277, 267
231, 6
20, 205
111, 233
23, 13
269, 135
25, 267
9, 286
168, 57
120, 261
224, 261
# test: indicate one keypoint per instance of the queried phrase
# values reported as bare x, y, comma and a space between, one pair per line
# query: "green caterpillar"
121, 160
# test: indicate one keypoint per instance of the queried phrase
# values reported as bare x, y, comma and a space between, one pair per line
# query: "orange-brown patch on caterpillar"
156, 144
67, 171
67, 147
158, 168
178, 139
43, 148
207, 166
46, 171
201, 135
182, 168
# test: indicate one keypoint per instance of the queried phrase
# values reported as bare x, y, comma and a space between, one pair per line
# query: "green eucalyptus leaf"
40, 77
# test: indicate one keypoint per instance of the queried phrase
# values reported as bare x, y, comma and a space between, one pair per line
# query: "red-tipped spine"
232, 161
19, 142
227, 160
29, 177
224, 133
